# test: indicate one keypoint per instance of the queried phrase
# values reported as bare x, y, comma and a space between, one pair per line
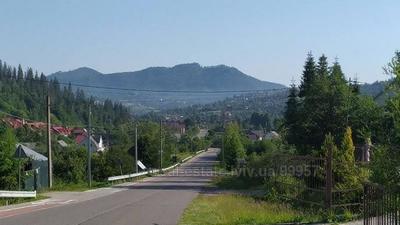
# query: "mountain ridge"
182, 77
188, 70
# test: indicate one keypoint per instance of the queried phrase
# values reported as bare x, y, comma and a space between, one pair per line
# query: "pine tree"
20, 73
292, 115
344, 162
348, 147
309, 75
322, 67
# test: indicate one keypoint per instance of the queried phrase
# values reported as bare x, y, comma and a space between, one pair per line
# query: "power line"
158, 91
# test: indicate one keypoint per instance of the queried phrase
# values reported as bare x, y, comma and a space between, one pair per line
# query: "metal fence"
381, 205
17, 194
310, 180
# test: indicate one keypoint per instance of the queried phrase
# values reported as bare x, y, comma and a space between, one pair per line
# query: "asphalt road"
156, 200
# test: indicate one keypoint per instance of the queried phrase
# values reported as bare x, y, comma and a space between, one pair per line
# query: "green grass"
12, 201
235, 210
76, 187
183, 155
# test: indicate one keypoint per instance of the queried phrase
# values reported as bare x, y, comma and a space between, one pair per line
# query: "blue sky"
266, 39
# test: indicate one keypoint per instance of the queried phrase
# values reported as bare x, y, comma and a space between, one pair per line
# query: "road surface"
156, 200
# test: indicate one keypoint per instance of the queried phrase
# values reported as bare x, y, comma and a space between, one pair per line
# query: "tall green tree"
233, 147
323, 106
291, 115
309, 75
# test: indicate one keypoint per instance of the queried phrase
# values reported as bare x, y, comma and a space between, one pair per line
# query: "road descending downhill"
155, 200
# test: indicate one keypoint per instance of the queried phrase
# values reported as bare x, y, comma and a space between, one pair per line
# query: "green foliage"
261, 121
386, 157
326, 103
235, 210
24, 94
385, 166
347, 175
233, 147
344, 163
291, 115
262, 146
309, 75
8, 163
70, 165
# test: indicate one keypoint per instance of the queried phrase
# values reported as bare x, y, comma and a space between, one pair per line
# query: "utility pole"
49, 158
223, 138
19, 168
136, 149
89, 165
161, 145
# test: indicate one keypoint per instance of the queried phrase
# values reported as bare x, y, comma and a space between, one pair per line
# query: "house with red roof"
64, 131
15, 123
95, 146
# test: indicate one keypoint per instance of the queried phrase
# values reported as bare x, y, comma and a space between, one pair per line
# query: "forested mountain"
185, 77
24, 93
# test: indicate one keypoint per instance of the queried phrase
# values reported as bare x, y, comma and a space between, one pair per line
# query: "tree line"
24, 94
327, 111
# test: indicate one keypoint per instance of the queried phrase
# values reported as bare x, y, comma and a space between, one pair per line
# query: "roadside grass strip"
234, 210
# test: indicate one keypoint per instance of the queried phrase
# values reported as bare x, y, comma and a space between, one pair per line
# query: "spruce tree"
292, 115
20, 73
309, 75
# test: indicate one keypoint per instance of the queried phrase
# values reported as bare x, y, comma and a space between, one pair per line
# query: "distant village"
79, 135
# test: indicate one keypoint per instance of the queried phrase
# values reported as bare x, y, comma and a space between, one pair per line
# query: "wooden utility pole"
49, 159
89, 165
136, 149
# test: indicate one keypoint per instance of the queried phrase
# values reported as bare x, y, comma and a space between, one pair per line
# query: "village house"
14, 123
271, 135
64, 131
82, 140
35, 169
255, 135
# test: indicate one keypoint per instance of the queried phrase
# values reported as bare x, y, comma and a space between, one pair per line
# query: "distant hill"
183, 77
239, 107
242, 106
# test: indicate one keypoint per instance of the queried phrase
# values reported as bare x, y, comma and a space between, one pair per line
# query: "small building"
14, 123
272, 135
64, 131
95, 146
35, 169
62, 143
37, 125
78, 131
255, 135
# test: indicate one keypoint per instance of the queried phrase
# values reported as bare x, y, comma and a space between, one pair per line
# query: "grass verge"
59, 186
235, 210
12, 201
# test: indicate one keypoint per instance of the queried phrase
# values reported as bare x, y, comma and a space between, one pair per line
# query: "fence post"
328, 179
